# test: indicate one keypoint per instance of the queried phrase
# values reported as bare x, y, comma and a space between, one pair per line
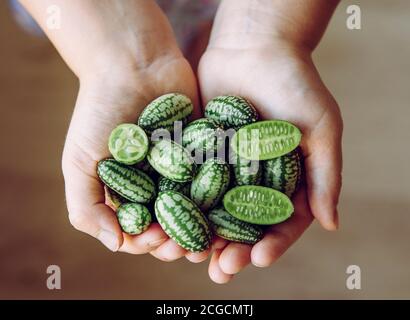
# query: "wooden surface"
368, 71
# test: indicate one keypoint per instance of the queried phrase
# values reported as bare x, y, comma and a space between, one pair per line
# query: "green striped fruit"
258, 205
202, 135
283, 173
228, 227
128, 143
165, 184
172, 161
231, 112
134, 218
130, 183
266, 140
182, 221
210, 184
113, 199
164, 111
246, 172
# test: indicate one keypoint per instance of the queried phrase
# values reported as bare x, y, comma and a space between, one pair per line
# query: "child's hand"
279, 77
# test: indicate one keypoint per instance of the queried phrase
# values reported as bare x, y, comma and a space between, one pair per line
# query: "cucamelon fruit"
130, 183
258, 205
283, 173
165, 184
128, 143
266, 140
182, 221
164, 111
134, 218
228, 227
246, 172
210, 184
202, 135
231, 112
172, 161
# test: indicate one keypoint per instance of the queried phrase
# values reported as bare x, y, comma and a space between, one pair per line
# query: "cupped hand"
281, 80
105, 100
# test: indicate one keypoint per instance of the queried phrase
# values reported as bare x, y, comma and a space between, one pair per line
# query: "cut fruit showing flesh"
128, 143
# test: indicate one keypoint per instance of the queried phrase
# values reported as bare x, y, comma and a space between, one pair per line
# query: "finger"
219, 243
280, 237
169, 251
145, 242
197, 257
87, 211
323, 170
235, 257
214, 270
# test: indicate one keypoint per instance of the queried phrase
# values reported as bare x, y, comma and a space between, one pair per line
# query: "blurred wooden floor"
368, 71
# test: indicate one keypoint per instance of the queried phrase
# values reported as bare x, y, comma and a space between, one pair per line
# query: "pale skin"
125, 55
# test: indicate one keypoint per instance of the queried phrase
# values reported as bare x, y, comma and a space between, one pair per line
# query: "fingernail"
157, 243
109, 239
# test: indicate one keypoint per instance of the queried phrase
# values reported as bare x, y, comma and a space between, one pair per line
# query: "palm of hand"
283, 84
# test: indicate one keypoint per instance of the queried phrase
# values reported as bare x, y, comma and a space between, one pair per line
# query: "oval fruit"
228, 227
172, 161
133, 218
182, 221
266, 140
202, 135
128, 143
246, 172
258, 205
210, 184
283, 173
165, 184
231, 112
130, 183
164, 111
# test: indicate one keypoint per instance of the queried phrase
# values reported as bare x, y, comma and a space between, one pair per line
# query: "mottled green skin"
231, 112
202, 135
210, 184
113, 199
172, 161
165, 184
130, 183
164, 111
258, 205
265, 140
134, 218
246, 172
182, 221
283, 173
228, 227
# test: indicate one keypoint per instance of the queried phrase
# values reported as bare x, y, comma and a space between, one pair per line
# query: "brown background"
368, 71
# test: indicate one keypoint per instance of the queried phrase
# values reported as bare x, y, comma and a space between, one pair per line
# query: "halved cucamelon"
113, 199
258, 205
283, 173
130, 183
266, 140
164, 111
231, 111
128, 143
182, 221
172, 161
210, 184
202, 135
165, 184
228, 227
134, 218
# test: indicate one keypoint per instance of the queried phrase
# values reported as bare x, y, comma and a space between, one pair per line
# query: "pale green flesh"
266, 140
258, 205
128, 143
